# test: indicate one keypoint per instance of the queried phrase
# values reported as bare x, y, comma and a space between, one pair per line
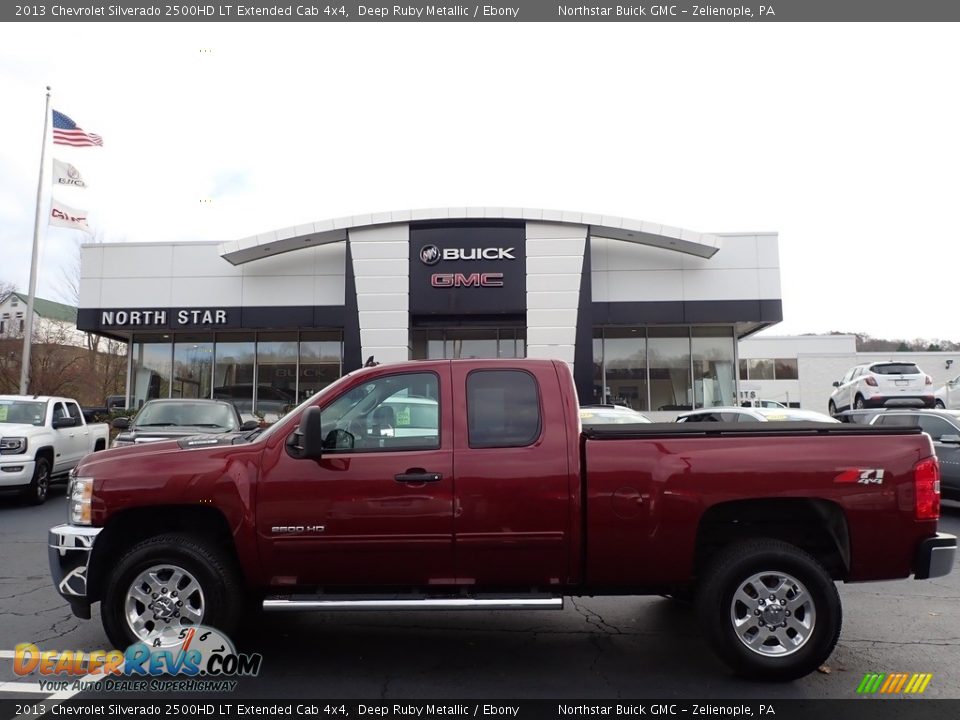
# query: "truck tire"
36, 492
202, 587
756, 585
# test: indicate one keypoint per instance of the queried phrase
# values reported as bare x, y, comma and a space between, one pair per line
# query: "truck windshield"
22, 412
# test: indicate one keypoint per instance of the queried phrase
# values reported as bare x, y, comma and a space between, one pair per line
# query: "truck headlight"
13, 446
79, 498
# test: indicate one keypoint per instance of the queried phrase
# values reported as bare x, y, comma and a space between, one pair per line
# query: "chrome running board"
276, 604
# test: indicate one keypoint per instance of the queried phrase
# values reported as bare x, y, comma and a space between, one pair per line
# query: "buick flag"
66, 174
66, 216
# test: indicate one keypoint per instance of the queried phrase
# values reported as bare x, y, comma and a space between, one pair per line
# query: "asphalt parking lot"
631, 647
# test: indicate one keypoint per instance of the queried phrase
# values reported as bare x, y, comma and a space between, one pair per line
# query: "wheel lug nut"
179, 603
783, 602
787, 613
756, 612
155, 596
174, 593
761, 623
164, 591
773, 597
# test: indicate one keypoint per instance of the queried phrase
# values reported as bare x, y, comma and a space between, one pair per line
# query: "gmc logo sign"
446, 280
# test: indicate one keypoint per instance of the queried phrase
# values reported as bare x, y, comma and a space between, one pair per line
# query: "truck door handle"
418, 475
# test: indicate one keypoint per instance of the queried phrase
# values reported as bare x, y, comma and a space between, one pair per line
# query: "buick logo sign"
430, 254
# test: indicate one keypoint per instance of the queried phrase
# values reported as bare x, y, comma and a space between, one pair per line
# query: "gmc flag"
66, 216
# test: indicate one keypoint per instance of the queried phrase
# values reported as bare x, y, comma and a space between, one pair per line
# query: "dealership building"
646, 315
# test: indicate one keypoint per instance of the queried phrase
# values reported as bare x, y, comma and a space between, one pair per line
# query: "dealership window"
321, 357
276, 374
598, 393
769, 369
669, 362
785, 369
192, 366
503, 409
457, 343
712, 354
233, 369
151, 370
624, 356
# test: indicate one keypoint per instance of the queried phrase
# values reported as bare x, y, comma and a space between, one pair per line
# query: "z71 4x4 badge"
862, 476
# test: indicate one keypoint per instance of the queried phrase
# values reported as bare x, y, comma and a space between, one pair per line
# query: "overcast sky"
843, 138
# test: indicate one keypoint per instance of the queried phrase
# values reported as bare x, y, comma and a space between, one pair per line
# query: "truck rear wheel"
167, 582
770, 610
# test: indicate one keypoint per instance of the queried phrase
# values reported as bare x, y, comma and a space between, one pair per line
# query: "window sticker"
403, 417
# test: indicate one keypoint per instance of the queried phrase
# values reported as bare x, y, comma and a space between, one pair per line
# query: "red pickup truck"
471, 484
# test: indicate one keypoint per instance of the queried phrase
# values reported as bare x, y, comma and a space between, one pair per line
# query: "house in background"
53, 322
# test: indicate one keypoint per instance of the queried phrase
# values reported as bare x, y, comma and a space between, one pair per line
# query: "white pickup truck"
42, 439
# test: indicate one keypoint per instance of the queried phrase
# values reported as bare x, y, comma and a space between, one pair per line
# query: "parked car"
858, 417
610, 415
167, 419
763, 404
882, 384
272, 403
943, 427
742, 414
948, 396
502, 503
43, 439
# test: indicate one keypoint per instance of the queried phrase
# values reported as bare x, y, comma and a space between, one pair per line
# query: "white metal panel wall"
746, 268
381, 267
554, 266
194, 274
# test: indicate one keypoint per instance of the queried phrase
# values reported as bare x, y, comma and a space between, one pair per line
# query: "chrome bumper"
69, 548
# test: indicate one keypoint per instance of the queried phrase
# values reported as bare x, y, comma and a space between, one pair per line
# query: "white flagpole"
28, 327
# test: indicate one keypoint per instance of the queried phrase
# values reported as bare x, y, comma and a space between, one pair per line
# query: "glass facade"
660, 368
457, 343
263, 373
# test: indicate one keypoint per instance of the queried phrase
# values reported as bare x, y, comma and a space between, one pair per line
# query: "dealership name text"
159, 317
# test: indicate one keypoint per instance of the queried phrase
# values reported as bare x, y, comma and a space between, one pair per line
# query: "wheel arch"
815, 525
130, 527
45, 452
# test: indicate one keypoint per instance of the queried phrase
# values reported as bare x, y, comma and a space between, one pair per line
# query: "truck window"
936, 427
503, 408
395, 412
59, 411
75, 413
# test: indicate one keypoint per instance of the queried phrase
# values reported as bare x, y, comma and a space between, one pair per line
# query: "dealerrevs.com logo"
203, 659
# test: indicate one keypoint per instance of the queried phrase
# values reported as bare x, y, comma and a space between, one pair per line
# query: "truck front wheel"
165, 583
770, 610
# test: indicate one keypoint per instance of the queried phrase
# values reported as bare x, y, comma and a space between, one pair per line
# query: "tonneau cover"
741, 429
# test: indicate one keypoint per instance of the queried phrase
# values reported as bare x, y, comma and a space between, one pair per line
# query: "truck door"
65, 447
512, 504
379, 513
81, 433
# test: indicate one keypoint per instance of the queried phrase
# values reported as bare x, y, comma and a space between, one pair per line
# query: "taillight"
871, 381
929, 380
926, 487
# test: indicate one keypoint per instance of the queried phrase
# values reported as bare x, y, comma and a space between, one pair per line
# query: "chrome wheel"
162, 597
773, 614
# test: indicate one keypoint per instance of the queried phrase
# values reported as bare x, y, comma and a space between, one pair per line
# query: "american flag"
66, 132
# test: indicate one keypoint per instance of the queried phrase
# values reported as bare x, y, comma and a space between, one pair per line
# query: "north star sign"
126, 318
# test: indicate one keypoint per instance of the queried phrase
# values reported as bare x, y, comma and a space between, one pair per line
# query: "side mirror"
244, 426
63, 423
121, 423
836, 383
950, 439
306, 442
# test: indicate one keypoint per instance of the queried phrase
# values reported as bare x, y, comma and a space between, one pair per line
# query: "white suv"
882, 384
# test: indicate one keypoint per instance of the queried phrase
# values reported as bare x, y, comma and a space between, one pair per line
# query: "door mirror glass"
950, 439
244, 426
836, 383
121, 423
338, 440
63, 422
